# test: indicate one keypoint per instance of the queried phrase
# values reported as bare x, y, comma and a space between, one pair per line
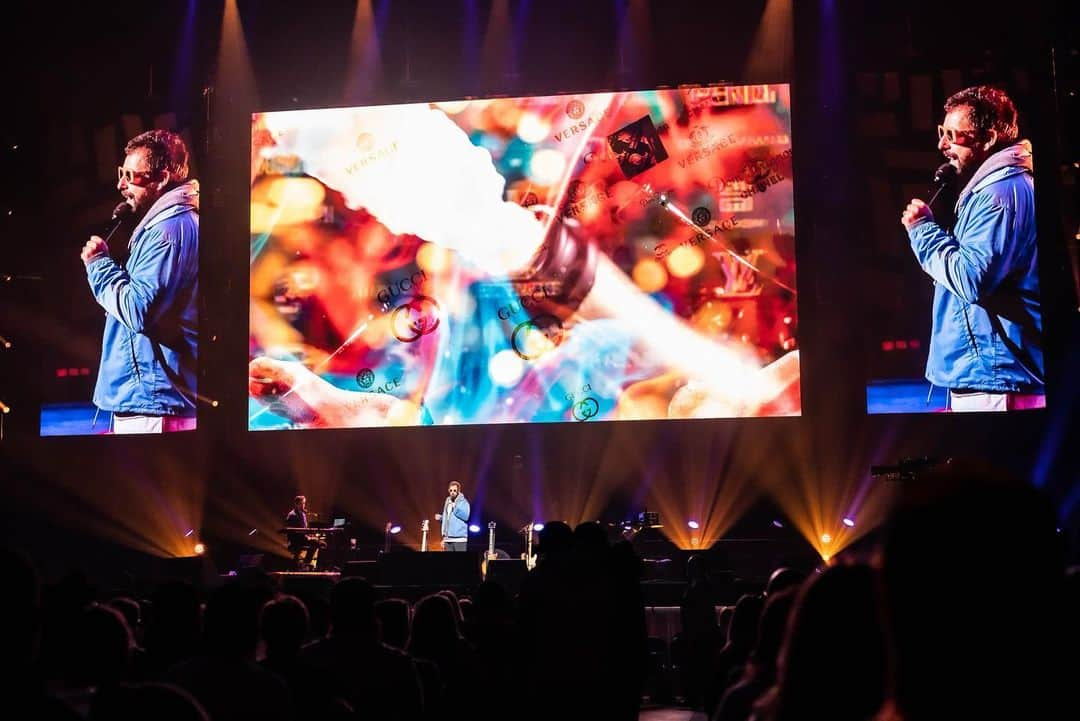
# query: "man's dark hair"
455, 483
956, 537
352, 609
165, 150
296, 501
988, 109
284, 622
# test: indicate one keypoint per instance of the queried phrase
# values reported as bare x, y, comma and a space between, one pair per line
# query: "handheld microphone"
119, 213
943, 178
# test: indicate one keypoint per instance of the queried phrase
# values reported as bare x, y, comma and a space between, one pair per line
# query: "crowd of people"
963, 609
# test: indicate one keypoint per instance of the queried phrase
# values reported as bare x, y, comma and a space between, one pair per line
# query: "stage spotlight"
538, 527
190, 533
693, 524
826, 538
849, 522
395, 529
473, 528
252, 532
4, 408
200, 549
777, 523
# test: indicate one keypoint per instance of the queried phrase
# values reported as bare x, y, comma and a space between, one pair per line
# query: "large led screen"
604, 256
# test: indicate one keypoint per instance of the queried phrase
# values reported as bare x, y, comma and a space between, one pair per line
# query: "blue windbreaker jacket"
456, 524
150, 346
987, 317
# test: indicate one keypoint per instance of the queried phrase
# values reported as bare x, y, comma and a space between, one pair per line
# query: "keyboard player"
304, 546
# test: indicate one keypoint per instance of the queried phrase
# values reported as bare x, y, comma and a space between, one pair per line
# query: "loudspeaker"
409, 568
508, 573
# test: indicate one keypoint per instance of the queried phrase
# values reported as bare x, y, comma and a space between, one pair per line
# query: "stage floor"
73, 419
671, 714
904, 395
307, 574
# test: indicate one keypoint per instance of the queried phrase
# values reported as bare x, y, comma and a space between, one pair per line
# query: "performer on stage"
303, 547
455, 519
150, 347
986, 343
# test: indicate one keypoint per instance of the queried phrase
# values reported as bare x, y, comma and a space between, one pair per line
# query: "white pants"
965, 402
124, 425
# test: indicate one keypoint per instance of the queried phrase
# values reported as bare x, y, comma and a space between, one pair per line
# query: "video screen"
136, 354
956, 305
605, 256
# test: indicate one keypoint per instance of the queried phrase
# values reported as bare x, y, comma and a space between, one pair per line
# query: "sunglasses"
954, 136
129, 176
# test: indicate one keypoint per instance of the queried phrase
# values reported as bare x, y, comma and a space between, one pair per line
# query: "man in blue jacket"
986, 343
150, 345
455, 519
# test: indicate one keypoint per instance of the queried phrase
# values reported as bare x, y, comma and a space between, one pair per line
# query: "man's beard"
141, 205
966, 171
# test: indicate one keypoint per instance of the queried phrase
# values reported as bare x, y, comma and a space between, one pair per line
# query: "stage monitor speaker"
444, 568
364, 569
508, 573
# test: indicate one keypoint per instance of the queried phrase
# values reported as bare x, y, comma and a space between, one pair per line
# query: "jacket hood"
1008, 161
180, 199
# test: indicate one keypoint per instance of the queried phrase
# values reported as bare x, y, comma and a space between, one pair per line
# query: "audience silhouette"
963, 610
